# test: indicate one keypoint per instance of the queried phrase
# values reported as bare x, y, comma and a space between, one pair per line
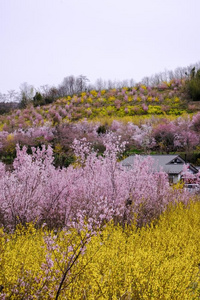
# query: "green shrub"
194, 86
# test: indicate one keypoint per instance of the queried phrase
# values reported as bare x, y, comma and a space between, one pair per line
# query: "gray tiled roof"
164, 162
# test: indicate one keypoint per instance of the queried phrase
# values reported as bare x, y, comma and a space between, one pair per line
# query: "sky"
43, 41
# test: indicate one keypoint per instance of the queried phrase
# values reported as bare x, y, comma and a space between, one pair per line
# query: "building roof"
171, 164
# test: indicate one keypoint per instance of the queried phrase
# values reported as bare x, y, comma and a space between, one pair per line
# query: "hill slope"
158, 119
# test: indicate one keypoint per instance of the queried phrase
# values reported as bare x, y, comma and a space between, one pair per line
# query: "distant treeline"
75, 85
6, 107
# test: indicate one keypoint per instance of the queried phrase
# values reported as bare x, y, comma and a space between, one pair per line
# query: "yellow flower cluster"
159, 262
21, 256
156, 262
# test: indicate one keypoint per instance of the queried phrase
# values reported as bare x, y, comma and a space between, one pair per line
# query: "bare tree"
146, 81
13, 96
27, 92
3, 97
72, 85
110, 84
81, 83
131, 82
170, 75
99, 84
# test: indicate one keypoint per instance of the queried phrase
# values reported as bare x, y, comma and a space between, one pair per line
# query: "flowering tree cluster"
152, 134
95, 189
168, 98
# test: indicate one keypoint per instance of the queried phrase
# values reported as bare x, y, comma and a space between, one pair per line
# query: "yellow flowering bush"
160, 261
176, 100
94, 93
154, 110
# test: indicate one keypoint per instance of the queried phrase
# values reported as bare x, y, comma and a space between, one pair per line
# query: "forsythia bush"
160, 261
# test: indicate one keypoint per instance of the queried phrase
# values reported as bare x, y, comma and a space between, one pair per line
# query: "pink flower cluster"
96, 189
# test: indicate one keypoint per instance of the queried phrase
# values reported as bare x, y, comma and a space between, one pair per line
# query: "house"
171, 164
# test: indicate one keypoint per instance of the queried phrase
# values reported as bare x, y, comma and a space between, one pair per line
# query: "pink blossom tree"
96, 189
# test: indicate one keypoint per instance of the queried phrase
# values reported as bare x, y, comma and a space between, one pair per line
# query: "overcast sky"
43, 41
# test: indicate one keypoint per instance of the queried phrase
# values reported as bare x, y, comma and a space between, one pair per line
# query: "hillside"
167, 98
161, 119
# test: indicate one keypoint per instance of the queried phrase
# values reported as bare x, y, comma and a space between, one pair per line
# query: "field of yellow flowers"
160, 261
